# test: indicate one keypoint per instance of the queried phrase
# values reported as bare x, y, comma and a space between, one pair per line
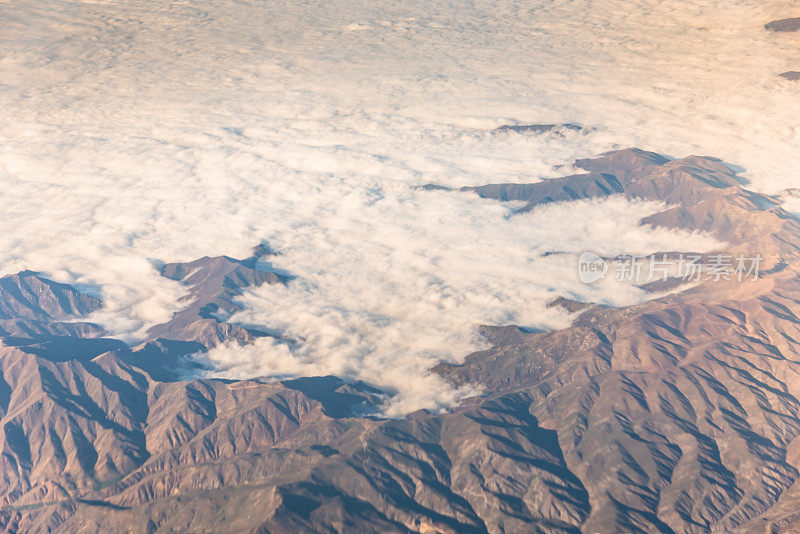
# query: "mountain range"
679, 414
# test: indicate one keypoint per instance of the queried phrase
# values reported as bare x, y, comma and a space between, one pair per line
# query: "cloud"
190, 129
387, 290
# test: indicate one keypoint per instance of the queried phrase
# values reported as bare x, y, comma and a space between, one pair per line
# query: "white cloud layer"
389, 288
153, 129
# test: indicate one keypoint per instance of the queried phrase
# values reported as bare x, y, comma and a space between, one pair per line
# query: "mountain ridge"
679, 414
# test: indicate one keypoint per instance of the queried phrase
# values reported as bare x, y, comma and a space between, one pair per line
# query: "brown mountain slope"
680, 410
676, 415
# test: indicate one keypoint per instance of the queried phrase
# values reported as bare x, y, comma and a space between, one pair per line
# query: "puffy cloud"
385, 291
141, 131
